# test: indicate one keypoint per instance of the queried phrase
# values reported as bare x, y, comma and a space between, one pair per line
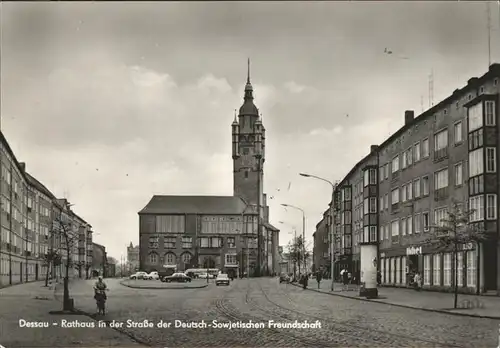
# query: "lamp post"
303, 230
332, 239
295, 242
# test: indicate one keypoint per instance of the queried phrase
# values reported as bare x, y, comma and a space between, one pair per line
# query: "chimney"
373, 148
23, 166
409, 116
473, 81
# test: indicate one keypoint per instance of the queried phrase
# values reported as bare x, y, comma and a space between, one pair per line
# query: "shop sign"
382, 254
468, 246
414, 251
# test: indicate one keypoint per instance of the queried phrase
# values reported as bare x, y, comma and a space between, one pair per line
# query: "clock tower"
248, 135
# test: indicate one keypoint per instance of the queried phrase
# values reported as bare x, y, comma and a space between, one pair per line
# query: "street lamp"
303, 230
332, 241
295, 241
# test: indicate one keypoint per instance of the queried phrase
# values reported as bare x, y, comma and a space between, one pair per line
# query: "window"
397, 269
409, 190
204, 242
441, 140
416, 152
425, 148
416, 188
403, 193
387, 271
170, 224
475, 117
382, 269
231, 242
471, 269
170, 259
169, 242
447, 269
215, 242
425, 185
386, 171
346, 194
393, 269
457, 133
491, 207
458, 174
395, 196
154, 242
366, 234
409, 225
245, 150
491, 160
403, 226
246, 173
186, 258
395, 164
409, 153
153, 258
373, 205
381, 173
381, 204
460, 268
418, 223
476, 206
436, 279
373, 233
395, 228
427, 269
489, 113
440, 216
187, 242
403, 267
381, 233
386, 201
425, 221
231, 259
441, 179
407, 158
370, 177
476, 165
387, 231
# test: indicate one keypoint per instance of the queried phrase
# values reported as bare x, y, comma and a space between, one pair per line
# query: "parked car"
222, 279
153, 276
176, 278
139, 275
284, 278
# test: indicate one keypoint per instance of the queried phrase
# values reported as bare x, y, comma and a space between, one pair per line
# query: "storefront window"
394, 270
436, 266
382, 269
403, 268
447, 262
387, 269
460, 268
427, 269
471, 269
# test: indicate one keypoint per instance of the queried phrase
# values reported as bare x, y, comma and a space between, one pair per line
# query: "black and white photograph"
249, 174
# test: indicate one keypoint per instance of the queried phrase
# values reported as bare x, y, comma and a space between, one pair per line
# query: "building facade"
132, 258
407, 185
321, 246
26, 221
99, 260
231, 233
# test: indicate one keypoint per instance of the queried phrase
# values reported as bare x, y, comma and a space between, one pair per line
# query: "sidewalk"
483, 306
33, 302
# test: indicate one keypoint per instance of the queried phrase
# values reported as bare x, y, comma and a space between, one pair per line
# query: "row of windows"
421, 149
168, 258
187, 242
438, 269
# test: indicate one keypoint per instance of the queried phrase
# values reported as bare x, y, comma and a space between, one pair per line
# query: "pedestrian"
318, 278
379, 278
417, 281
305, 279
345, 279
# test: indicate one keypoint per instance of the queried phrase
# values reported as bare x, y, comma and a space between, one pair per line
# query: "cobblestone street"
344, 321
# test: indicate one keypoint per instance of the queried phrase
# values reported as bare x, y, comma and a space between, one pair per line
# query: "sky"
111, 103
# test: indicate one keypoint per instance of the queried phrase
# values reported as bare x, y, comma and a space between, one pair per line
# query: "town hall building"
230, 233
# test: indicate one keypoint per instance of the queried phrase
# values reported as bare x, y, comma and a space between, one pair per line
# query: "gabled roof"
38, 185
223, 205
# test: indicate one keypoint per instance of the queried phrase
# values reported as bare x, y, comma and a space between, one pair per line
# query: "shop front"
399, 265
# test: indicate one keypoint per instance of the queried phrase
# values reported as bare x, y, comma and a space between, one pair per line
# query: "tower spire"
248, 72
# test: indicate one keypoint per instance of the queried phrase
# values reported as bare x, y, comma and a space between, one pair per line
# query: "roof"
223, 205
270, 227
38, 185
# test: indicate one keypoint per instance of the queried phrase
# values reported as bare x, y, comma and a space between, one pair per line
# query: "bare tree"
454, 232
51, 258
79, 266
296, 249
67, 236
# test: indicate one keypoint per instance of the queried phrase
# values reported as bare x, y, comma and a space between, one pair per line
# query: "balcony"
441, 194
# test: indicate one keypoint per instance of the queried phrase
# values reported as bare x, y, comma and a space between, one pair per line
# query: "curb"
406, 306
163, 288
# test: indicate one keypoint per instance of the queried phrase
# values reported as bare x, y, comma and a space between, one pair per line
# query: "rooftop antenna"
431, 89
488, 14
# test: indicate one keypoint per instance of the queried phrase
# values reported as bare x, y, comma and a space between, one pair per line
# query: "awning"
169, 266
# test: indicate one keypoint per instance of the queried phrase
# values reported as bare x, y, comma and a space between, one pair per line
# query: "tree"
67, 237
452, 233
296, 249
51, 258
79, 266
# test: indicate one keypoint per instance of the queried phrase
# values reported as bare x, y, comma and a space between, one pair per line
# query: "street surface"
345, 322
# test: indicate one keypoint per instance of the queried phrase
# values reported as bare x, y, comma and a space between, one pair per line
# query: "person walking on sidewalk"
345, 278
318, 278
417, 281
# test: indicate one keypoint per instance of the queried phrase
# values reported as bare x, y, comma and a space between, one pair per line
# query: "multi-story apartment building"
321, 246
99, 260
407, 185
26, 221
174, 229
